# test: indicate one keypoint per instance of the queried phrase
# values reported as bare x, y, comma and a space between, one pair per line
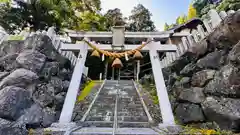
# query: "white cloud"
127, 5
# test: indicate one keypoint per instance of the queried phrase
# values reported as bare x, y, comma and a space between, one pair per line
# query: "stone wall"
204, 84
34, 79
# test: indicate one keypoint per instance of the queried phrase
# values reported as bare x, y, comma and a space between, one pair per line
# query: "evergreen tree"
141, 19
114, 17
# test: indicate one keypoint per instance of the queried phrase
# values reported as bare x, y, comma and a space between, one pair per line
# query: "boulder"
227, 33
180, 63
57, 83
36, 116
31, 60
21, 78
183, 82
224, 111
199, 48
65, 85
50, 69
4, 122
13, 102
225, 83
171, 80
44, 95
13, 129
65, 74
49, 117
43, 44
8, 62
11, 47
194, 95
190, 69
166, 72
201, 78
59, 100
3, 74
209, 125
234, 54
186, 113
211, 61
32, 116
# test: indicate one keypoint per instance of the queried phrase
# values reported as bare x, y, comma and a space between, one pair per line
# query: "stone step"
120, 118
100, 118
133, 118
119, 131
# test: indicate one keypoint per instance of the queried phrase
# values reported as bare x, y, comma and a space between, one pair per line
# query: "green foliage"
15, 37
152, 91
206, 9
203, 6
114, 17
192, 131
90, 21
199, 5
192, 12
181, 19
85, 92
141, 19
86, 5
226, 5
166, 26
41, 14
5, 1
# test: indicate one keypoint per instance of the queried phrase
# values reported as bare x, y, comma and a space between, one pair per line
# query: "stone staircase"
117, 110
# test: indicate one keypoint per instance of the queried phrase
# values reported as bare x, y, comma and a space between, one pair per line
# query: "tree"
41, 14
191, 12
38, 14
140, 20
199, 5
226, 5
90, 21
114, 17
181, 20
206, 9
166, 27
86, 5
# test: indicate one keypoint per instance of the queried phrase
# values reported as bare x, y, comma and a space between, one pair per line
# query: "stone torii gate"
118, 37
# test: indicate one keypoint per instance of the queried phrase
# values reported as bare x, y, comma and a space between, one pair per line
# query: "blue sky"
162, 10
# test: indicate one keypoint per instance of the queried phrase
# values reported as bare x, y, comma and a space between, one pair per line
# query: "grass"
87, 89
15, 37
193, 131
152, 91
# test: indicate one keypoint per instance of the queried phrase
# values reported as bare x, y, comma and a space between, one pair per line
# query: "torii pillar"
165, 106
